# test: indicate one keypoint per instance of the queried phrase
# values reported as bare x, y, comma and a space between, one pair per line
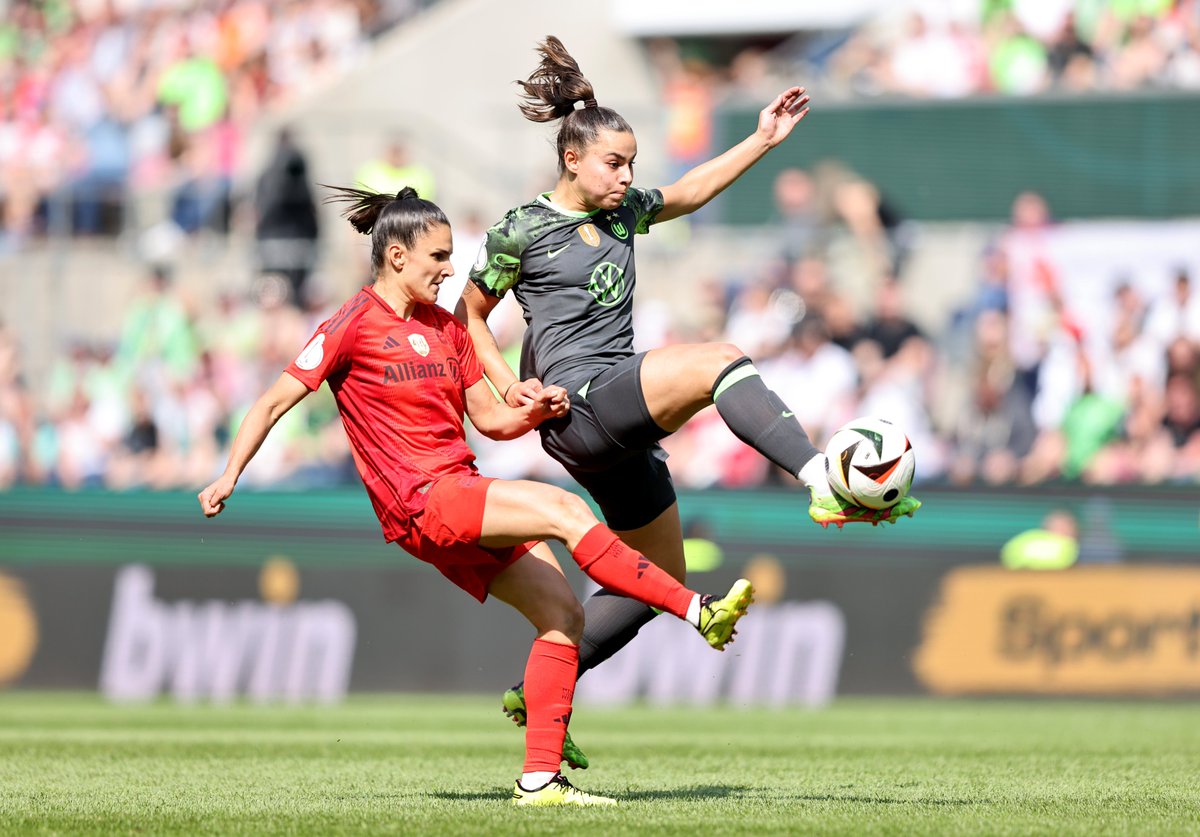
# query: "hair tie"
590, 103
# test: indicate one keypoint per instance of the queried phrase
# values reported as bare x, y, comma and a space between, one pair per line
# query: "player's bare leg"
612, 619
518, 511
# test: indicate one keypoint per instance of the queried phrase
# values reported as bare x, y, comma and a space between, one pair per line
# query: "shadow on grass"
875, 800
697, 792
470, 796
694, 792
704, 792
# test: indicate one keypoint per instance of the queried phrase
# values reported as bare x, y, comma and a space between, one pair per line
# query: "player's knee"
572, 514
564, 614
572, 620
724, 354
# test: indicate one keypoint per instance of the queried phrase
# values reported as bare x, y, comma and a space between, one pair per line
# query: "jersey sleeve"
646, 204
464, 349
329, 350
498, 266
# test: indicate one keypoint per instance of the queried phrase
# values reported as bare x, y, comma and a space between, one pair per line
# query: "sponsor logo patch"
607, 284
313, 354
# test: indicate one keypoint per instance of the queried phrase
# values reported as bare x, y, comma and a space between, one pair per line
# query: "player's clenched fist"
553, 400
212, 499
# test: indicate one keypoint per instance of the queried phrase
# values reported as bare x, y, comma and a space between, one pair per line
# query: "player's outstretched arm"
478, 306
284, 394
707, 180
499, 421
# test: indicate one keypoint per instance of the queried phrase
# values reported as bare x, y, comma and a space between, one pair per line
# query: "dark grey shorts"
609, 443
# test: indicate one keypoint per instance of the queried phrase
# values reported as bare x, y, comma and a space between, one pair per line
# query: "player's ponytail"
552, 91
403, 217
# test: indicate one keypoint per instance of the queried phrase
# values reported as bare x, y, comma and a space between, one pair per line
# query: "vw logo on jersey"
607, 285
420, 346
589, 235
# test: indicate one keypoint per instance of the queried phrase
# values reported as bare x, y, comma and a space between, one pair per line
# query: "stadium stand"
1019, 352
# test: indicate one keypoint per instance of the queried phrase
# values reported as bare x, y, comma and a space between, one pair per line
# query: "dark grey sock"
610, 622
758, 417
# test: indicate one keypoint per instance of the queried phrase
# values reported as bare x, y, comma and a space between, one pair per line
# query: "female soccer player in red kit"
403, 372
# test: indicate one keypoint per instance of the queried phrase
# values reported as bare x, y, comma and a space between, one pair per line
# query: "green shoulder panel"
646, 204
498, 266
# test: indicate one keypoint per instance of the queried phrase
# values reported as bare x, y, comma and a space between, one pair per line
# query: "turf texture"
429, 765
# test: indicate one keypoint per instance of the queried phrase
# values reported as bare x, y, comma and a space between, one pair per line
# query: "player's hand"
553, 402
777, 119
212, 499
523, 393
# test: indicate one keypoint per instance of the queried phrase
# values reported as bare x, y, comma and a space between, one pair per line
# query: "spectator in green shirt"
395, 170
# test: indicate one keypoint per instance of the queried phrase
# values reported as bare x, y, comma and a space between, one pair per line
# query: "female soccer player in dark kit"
568, 257
402, 372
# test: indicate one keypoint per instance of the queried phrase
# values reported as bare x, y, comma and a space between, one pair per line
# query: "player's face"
427, 264
604, 171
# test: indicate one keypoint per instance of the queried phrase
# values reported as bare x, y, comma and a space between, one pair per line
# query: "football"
871, 463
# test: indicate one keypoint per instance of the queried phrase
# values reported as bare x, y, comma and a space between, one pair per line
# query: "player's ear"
396, 256
571, 160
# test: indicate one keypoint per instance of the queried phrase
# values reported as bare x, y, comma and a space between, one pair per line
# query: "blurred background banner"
1097, 630
987, 230
299, 599
1127, 155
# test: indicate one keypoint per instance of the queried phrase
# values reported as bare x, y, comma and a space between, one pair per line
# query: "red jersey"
400, 388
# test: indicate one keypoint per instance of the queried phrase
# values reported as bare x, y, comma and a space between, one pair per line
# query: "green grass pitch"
70, 764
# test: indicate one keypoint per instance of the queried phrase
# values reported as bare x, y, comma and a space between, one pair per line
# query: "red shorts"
447, 533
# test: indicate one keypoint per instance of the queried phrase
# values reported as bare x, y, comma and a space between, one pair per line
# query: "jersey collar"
382, 303
544, 199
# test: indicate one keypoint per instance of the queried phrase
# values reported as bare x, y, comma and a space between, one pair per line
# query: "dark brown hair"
551, 92
403, 217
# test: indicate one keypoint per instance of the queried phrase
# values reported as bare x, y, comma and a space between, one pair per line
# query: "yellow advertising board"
1104, 630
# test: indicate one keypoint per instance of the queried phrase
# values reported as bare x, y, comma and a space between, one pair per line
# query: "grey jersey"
573, 274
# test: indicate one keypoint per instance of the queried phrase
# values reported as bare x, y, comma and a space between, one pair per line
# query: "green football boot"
513, 704
558, 791
719, 616
830, 508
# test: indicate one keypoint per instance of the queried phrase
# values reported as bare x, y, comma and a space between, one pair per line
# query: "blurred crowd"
1017, 47
1045, 372
100, 99
157, 404
1030, 380
1033, 378
950, 50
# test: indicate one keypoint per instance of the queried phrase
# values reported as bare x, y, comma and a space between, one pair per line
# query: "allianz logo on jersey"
415, 370
787, 654
395, 373
217, 650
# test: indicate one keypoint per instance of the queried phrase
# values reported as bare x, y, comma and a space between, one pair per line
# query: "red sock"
612, 564
549, 689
